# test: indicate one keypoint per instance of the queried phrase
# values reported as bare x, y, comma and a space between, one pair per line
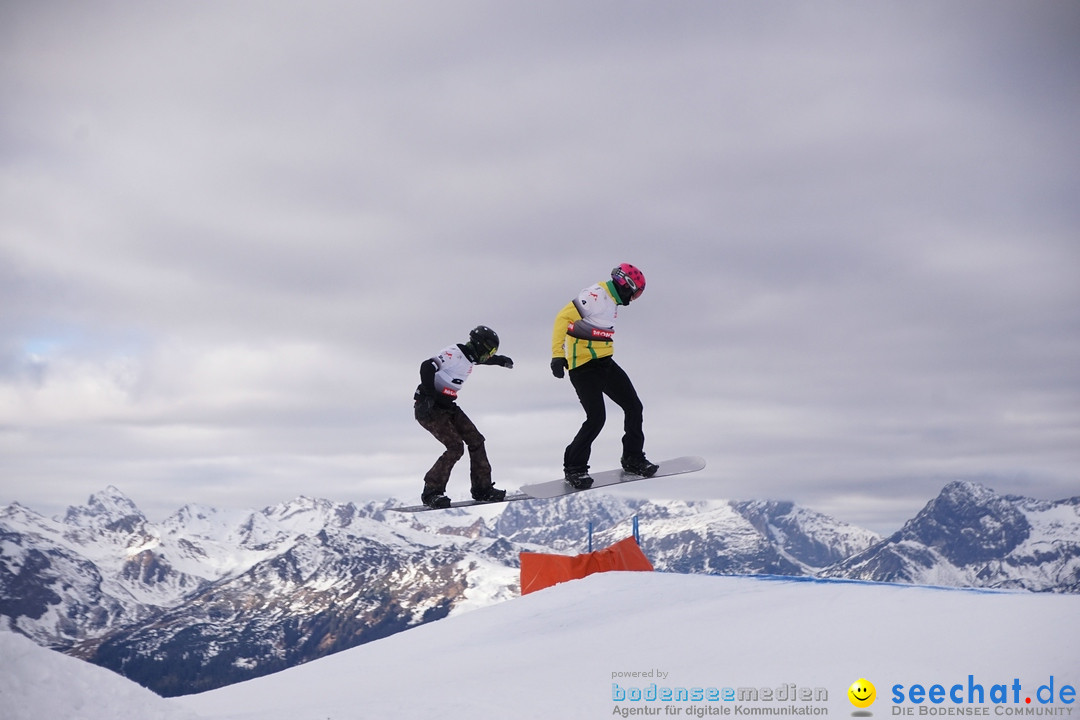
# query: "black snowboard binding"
489, 494
639, 466
578, 479
435, 500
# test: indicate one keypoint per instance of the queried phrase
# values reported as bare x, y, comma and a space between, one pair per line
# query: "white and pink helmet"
629, 280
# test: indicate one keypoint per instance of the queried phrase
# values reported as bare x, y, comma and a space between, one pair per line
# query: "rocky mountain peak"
969, 523
109, 509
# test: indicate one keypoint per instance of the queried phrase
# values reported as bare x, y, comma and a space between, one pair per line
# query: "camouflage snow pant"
453, 428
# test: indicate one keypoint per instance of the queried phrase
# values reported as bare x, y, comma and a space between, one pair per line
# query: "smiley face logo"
862, 693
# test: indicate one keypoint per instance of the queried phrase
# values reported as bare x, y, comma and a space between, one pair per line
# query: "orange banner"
540, 570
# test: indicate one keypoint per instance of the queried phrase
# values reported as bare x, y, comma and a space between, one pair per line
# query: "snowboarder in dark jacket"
583, 343
437, 411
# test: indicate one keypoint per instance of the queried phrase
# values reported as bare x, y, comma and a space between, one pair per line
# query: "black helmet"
484, 341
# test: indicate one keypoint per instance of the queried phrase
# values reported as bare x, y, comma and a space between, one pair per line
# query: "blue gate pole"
637, 538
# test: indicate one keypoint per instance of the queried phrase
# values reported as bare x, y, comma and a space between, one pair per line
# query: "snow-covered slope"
40, 684
558, 652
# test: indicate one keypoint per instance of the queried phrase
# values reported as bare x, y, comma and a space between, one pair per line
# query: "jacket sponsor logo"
597, 333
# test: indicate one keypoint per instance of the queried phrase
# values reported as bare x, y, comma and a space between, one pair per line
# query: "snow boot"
639, 466
578, 479
435, 500
489, 494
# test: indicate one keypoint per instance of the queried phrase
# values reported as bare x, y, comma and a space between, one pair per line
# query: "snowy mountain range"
208, 598
968, 536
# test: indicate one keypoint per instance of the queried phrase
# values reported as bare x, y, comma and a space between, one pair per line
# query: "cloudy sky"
230, 232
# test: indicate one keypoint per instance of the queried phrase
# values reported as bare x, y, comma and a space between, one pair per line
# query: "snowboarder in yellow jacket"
583, 343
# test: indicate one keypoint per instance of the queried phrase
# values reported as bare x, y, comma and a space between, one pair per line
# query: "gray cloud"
230, 234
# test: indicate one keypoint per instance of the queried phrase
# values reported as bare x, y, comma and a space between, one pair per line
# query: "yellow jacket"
585, 328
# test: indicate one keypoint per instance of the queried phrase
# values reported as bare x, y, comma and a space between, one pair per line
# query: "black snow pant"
453, 428
592, 381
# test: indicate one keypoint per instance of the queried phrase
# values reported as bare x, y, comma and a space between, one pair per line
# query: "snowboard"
510, 497
558, 488
607, 478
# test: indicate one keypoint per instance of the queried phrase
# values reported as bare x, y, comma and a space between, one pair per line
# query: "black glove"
502, 361
558, 366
